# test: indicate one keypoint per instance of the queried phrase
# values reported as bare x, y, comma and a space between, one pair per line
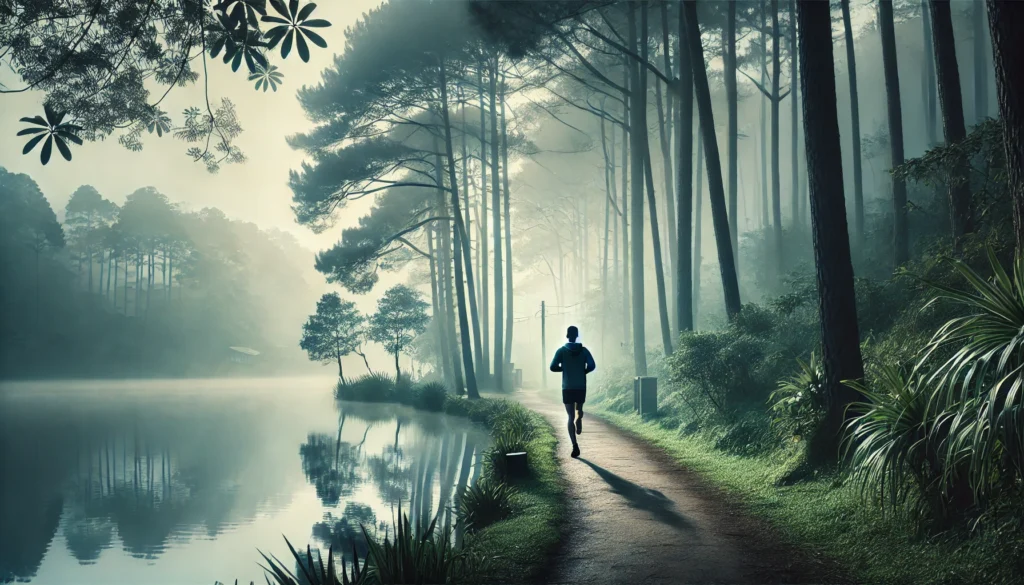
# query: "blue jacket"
575, 362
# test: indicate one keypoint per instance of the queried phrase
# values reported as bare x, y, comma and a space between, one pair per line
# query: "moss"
827, 516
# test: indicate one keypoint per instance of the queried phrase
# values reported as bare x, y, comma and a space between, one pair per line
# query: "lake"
184, 481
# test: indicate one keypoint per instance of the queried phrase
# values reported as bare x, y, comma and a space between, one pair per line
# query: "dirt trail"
636, 517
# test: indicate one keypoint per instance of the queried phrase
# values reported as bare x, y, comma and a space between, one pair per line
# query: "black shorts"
574, 396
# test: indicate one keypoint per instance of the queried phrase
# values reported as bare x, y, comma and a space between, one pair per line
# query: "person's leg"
579, 418
570, 410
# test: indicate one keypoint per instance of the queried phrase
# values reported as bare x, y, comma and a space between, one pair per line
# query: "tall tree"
858, 174
732, 104
952, 116
727, 265
901, 241
980, 64
401, 315
499, 288
684, 186
794, 157
927, 77
836, 299
333, 332
775, 99
1005, 23
508, 228
638, 99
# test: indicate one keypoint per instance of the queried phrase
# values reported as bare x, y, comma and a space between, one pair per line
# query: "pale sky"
255, 191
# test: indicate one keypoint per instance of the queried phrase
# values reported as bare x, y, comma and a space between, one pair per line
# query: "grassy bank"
826, 516
518, 548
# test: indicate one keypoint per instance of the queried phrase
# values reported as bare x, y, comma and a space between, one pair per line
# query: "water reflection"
183, 482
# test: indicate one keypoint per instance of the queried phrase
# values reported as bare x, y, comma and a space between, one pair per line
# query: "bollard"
516, 465
647, 395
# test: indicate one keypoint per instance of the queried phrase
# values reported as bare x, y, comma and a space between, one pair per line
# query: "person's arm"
556, 362
590, 366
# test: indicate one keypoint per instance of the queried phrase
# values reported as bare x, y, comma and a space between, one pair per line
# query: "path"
636, 517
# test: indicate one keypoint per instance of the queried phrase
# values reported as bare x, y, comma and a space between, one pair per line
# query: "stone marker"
647, 395
516, 465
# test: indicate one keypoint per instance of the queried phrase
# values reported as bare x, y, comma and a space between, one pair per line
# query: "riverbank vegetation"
511, 524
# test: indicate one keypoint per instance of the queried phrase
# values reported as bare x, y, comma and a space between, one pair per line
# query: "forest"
142, 289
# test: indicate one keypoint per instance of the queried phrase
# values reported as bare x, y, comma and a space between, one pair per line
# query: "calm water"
182, 481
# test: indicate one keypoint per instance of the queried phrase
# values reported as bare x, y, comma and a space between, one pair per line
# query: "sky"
255, 191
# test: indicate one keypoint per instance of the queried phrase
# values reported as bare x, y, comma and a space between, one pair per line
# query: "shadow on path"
641, 498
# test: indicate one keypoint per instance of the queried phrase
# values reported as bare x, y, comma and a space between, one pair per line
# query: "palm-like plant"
485, 503
313, 569
293, 27
798, 402
894, 441
419, 558
53, 129
986, 374
267, 78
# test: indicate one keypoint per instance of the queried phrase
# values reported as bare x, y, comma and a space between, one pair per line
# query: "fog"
556, 173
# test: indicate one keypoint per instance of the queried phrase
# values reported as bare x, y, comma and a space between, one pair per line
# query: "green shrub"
431, 396
798, 403
427, 557
485, 503
508, 438
313, 571
373, 387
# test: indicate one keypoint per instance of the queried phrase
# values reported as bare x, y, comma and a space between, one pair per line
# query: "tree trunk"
398, 369
836, 299
637, 136
927, 76
627, 82
684, 187
794, 157
116, 274
483, 359
858, 174
460, 242
698, 220
727, 265
499, 288
1005, 23
508, 228
607, 219
901, 243
952, 117
732, 121
341, 372
440, 316
980, 66
665, 129
776, 188
659, 266
763, 136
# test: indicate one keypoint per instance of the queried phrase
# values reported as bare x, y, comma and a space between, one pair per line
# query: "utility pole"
543, 350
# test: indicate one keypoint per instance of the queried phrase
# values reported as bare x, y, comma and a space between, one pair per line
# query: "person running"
575, 362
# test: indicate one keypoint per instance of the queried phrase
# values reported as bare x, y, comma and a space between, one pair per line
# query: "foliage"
485, 503
401, 315
334, 331
55, 130
144, 289
313, 571
98, 61
798, 403
372, 387
427, 557
431, 396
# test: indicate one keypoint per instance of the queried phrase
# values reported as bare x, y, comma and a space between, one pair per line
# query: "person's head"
572, 333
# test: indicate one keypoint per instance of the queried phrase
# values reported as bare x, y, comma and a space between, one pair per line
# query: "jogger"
575, 362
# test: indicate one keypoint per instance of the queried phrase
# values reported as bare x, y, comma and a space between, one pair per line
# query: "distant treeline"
142, 289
